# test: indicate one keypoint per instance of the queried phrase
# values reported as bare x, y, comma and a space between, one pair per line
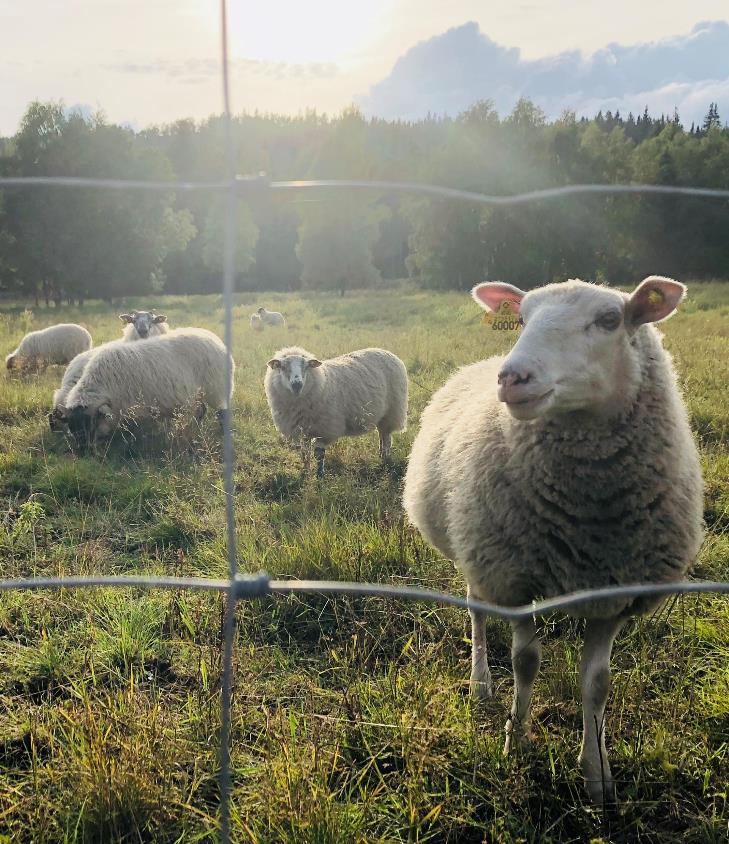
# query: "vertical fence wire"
226, 686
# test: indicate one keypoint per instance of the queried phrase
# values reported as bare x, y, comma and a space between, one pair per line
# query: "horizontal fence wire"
246, 587
251, 186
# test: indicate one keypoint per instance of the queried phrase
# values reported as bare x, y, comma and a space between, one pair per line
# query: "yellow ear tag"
504, 319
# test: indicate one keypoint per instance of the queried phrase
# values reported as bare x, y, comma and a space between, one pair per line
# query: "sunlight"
295, 32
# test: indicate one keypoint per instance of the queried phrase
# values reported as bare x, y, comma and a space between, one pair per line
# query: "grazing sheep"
317, 401
143, 324
256, 322
271, 317
569, 464
70, 378
124, 381
56, 344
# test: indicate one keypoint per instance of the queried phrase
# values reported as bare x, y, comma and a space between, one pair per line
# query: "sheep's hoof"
482, 689
515, 739
601, 793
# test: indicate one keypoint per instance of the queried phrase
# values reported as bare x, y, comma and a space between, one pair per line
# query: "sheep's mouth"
530, 406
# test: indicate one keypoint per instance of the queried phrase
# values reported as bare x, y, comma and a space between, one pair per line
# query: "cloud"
446, 74
192, 71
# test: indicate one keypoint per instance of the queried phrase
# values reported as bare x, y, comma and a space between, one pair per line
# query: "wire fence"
241, 587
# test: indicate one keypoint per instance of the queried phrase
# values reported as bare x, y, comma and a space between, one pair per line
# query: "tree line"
71, 244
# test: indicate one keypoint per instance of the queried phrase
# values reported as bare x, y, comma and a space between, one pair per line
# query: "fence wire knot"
247, 586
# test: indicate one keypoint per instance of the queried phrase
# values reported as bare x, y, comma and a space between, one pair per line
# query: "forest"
61, 245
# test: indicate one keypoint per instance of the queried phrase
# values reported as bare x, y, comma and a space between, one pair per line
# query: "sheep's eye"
609, 321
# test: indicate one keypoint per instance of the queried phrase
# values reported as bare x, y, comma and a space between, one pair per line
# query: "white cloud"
446, 74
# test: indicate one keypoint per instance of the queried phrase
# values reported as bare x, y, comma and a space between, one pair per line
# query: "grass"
351, 719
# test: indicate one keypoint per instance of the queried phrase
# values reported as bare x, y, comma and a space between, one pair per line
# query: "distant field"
352, 721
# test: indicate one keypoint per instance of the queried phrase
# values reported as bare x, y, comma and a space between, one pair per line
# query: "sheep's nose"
296, 386
513, 375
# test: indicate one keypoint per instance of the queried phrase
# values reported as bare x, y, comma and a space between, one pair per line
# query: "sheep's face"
292, 371
86, 424
143, 321
574, 352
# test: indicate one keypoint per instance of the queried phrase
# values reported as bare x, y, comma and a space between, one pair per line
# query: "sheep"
569, 464
56, 344
271, 317
70, 378
124, 381
256, 322
320, 401
143, 324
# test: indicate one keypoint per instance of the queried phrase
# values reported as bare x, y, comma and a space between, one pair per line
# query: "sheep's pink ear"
492, 294
126, 317
653, 300
160, 318
313, 363
274, 363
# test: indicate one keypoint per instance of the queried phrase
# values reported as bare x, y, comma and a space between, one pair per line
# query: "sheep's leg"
482, 686
600, 634
319, 450
385, 444
526, 655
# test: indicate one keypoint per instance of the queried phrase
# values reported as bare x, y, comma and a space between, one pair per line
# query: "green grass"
351, 718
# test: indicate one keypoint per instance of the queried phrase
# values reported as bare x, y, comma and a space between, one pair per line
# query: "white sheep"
143, 324
56, 344
256, 322
70, 378
271, 317
569, 464
136, 381
319, 402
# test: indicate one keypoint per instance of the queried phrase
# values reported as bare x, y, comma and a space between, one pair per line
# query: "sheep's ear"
160, 318
126, 317
653, 300
274, 363
313, 363
492, 294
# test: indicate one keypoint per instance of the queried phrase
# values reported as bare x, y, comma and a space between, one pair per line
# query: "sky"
154, 61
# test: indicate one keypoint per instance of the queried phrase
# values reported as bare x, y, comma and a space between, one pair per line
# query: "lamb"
256, 322
319, 402
56, 344
154, 379
569, 464
271, 317
143, 324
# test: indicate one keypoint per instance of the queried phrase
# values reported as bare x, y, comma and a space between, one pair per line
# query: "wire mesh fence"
242, 587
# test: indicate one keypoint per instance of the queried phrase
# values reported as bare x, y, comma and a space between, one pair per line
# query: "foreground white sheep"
256, 322
143, 324
317, 401
153, 379
271, 317
567, 465
56, 344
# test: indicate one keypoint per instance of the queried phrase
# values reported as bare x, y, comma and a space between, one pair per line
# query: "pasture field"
351, 720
